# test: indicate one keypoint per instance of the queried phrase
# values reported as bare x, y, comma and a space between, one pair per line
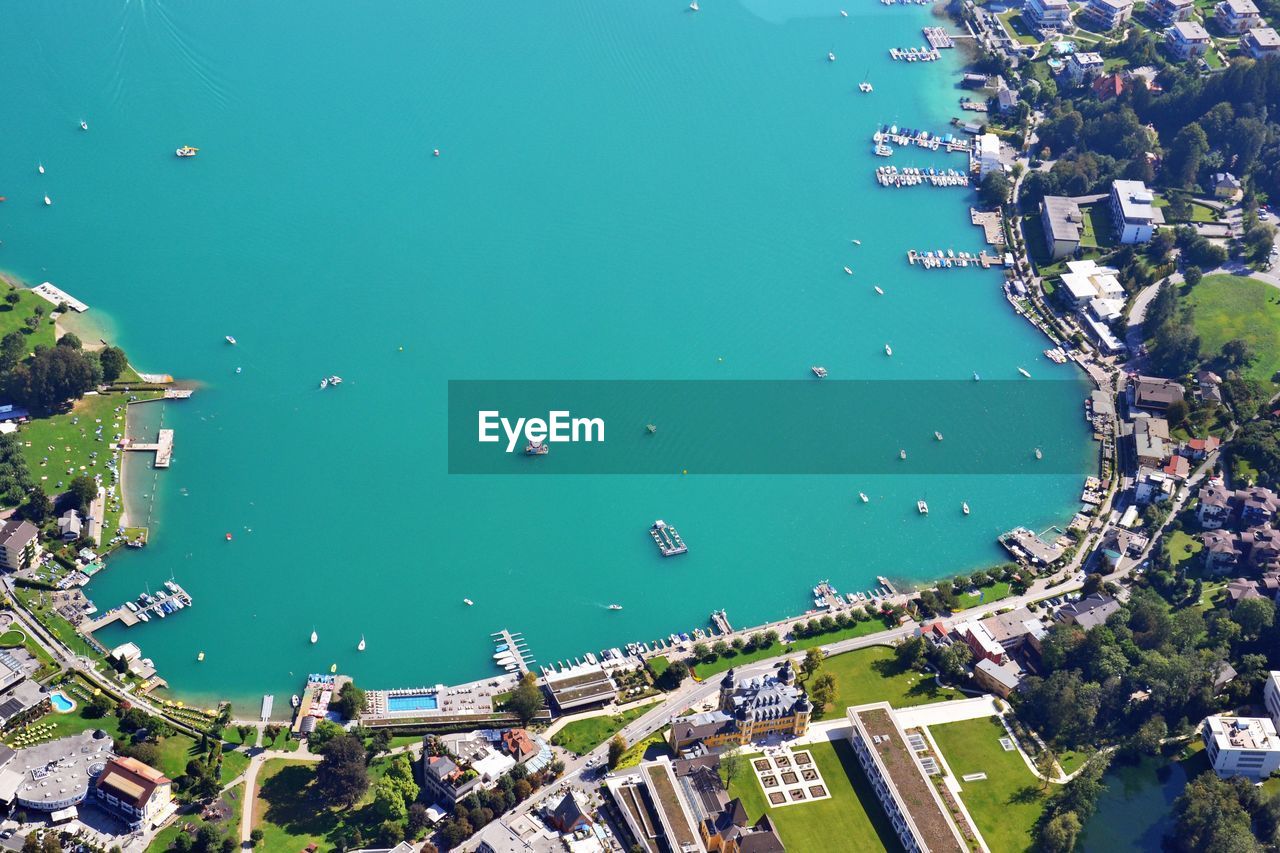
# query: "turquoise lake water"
625, 191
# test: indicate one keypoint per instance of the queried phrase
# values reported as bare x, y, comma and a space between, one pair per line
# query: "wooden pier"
162, 448
938, 38
941, 260
178, 393
515, 646
991, 224
127, 617
668, 540
720, 620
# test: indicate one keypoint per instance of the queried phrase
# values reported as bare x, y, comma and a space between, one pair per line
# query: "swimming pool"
414, 702
61, 703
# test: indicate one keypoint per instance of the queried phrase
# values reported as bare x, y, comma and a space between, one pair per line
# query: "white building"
19, 545
1106, 15
1237, 16
987, 153
1241, 746
1086, 281
1082, 66
1187, 39
1170, 12
1261, 42
1134, 212
1271, 696
1048, 14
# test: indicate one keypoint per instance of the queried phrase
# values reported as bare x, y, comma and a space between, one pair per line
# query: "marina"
147, 606
950, 259
938, 38
511, 652
911, 176
914, 54
921, 139
667, 538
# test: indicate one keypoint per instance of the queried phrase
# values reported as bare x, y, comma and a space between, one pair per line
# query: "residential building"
141, 794
1086, 281
1258, 505
1133, 211
1151, 442
1084, 66
980, 641
1006, 100
998, 678
1048, 15
1271, 695
1152, 485
1106, 15
1260, 42
1169, 12
1221, 552
987, 154
1089, 612
446, 781
1226, 185
1016, 630
1197, 449
1261, 546
1063, 224
571, 813
1242, 589
1241, 746
1237, 17
913, 805
519, 745
1214, 507
1110, 86
1187, 40
19, 545
69, 526
753, 709
1155, 394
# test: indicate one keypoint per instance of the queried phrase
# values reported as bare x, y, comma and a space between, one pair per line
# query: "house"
1017, 629
1199, 448
1169, 12
519, 745
1215, 504
981, 642
1134, 212
1259, 42
1208, 386
1237, 17
1258, 505
446, 781
1109, 86
1241, 746
19, 545
571, 813
1178, 467
1240, 590
1048, 15
730, 830
1063, 224
1226, 185
1083, 66
758, 707
1106, 15
138, 792
1221, 552
1187, 40
1154, 393
1006, 100
1262, 548
998, 678
1088, 612
69, 526
987, 154
1151, 442
1086, 281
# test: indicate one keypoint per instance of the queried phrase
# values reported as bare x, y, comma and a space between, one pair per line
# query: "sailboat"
888, 350
964, 507
314, 636
48, 200
40, 168
360, 647
879, 290
84, 125
863, 496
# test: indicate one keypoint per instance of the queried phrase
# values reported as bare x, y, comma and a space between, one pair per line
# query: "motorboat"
231, 340
863, 497
879, 290
360, 647
964, 507
937, 435
1024, 372
48, 200
831, 57
468, 602
237, 370
615, 606
1039, 455
693, 7
848, 271
40, 168
200, 656
314, 636
856, 242
187, 151
888, 350
976, 377
843, 13
84, 125
818, 371
295, 700
902, 454
142, 617
864, 86
922, 507
537, 448
324, 383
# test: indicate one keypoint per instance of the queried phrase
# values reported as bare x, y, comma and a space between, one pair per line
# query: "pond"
1135, 811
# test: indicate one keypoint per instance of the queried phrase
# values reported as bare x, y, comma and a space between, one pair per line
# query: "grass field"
65, 725
658, 664
986, 595
229, 828
1005, 805
1016, 27
290, 816
14, 318
705, 670
1227, 307
1071, 760
872, 675
851, 819
1182, 547
1098, 226
582, 736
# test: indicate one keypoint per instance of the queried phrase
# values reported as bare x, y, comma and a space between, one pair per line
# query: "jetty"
914, 176
884, 582
938, 38
145, 608
178, 393
914, 54
921, 139
268, 703
973, 106
1027, 545
58, 296
825, 596
721, 622
667, 539
512, 651
991, 223
949, 259
162, 447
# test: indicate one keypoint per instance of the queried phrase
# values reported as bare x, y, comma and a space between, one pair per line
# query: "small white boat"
187, 151
360, 647
615, 606
296, 700
863, 497
200, 656
693, 7
856, 242
843, 13
820, 372
48, 200
314, 636
40, 168
964, 507
142, 617
231, 340
879, 290
888, 350
84, 125
1039, 455
324, 383
237, 370
976, 377
865, 87
937, 435
848, 271
1023, 371
902, 454
922, 507
468, 602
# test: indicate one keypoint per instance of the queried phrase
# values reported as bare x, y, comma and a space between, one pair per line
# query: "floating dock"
720, 620
668, 540
512, 651
921, 139
951, 260
991, 223
268, 703
58, 296
914, 54
178, 393
913, 176
159, 606
938, 38
162, 448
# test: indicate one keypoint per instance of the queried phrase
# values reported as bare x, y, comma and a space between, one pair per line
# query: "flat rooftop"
61, 770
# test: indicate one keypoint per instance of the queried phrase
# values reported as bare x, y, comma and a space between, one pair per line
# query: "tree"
823, 691
13, 349
84, 491
1177, 412
910, 653
674, 675
1192, 275
1182, 164
342, 777
812, 662
99, 706
994, 189
1045, 762
37, 508
324, 732
1254, 615
390, 833
1237, 354
1059, 834
418, 818
53, 376
526, 700
244, 732
271, 732
1150, 735
1210, 815
30, 844
255, 837
51, 843
617, 748
350, 701
730, 766
113, 362
721, 648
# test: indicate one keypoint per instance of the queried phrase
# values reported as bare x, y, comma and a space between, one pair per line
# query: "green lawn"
1227, 307
1182, 546
1071, 760
229, 828
636, 752
1005, 805
1099, 228
873, 675
582, 736
290, 815
658, 664
1016, 27
70, 724
13, 318
1199, 212
986, 595
851, 819
703, 671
